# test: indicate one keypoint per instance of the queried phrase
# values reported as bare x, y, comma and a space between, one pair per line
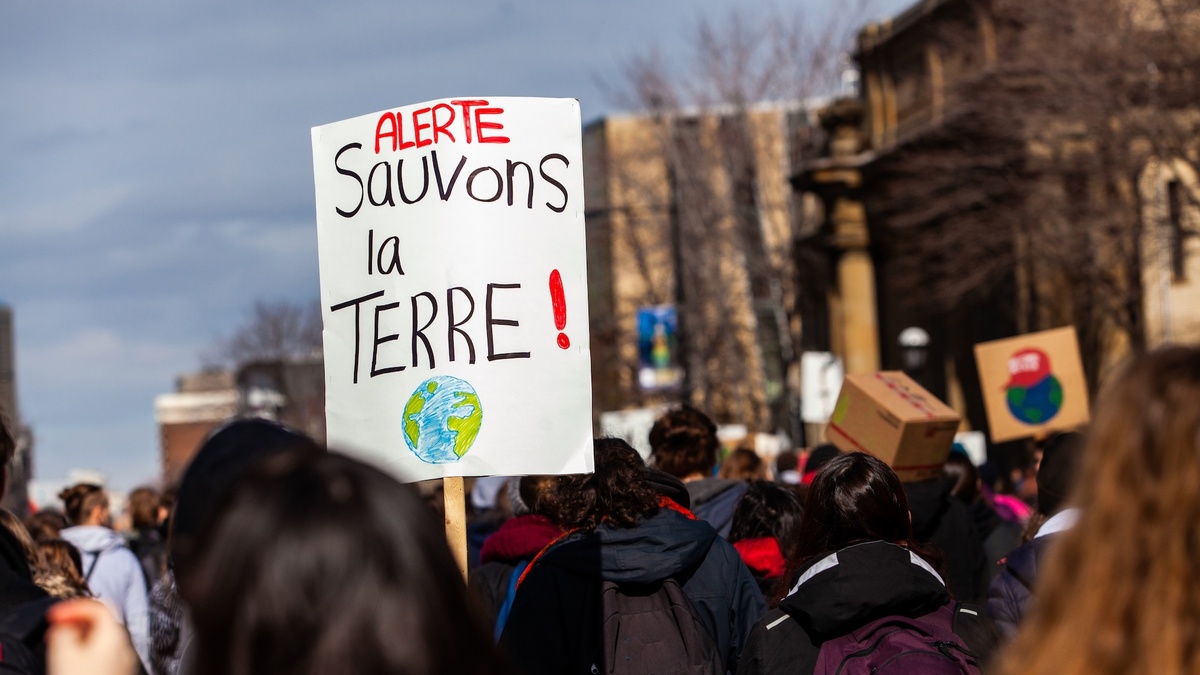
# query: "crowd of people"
277, 556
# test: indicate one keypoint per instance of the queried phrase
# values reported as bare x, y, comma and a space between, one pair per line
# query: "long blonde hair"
1120, 593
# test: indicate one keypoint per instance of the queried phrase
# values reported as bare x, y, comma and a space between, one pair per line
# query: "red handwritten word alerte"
427, 126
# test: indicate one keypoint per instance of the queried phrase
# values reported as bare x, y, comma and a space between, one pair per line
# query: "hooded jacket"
518, 540
943, 521
116, 579
837, 594
714, 500
555, 624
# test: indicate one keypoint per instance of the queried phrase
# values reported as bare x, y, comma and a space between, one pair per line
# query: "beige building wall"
637, 258
1170, 250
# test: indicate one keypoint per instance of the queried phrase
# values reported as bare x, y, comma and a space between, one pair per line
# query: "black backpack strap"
92, 567
977, 630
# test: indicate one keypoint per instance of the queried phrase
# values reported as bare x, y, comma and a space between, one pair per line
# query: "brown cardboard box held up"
890, 416
1032, 384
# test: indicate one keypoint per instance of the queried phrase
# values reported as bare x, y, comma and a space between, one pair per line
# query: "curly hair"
618, 493
684, 442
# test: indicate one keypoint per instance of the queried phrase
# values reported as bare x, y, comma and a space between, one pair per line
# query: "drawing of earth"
441, 419
1034, 394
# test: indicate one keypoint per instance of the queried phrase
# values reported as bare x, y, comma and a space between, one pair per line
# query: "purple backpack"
898, 645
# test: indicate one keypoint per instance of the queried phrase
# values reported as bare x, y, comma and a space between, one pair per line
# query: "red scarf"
762, 556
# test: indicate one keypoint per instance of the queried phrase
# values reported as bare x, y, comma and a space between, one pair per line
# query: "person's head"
225, 458
532, 491
61, 574
787, 467
85, 504
618, 492
14, 525
767, 509
317, 565
962, 476
683, 443
46, 524
818, 458
853, 498
1117, 593
1057, 471
143, 508
743, 464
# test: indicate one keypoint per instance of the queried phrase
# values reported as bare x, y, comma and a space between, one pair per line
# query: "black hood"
856, 585
660, 547
928, 502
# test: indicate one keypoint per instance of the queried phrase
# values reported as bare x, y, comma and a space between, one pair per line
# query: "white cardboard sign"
454, 287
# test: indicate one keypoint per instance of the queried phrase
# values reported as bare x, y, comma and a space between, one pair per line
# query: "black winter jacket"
555, 622
944, 522
846, 590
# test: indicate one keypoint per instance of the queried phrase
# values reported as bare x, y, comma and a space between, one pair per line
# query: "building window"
1176, 233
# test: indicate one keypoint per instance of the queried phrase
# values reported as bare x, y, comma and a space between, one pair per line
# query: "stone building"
973, 189
689, 217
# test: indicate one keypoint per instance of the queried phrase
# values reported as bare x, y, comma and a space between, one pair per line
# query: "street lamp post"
914, 349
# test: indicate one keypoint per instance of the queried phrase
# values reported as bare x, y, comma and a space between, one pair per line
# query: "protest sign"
1032, 384
454, 287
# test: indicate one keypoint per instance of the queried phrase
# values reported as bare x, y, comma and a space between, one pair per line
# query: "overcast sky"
156, 173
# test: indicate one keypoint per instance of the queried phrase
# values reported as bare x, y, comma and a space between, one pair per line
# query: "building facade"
986, 182
690, 273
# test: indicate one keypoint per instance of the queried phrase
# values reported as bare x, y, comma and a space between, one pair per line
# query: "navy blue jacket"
1012, 589
555, 623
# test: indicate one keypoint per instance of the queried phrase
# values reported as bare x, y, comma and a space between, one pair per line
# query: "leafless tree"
723, 221
272, 331
1040, 165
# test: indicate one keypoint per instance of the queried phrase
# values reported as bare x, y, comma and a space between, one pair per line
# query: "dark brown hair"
143, 508
79, 500
61, 574
683, 442
321, 564
854, 498
46, 524
618, 492
767, 509
743, 464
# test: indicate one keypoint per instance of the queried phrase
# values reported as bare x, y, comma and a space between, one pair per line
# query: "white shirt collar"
1063, 520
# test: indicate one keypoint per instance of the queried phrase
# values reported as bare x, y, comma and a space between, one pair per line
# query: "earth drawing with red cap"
1034, 394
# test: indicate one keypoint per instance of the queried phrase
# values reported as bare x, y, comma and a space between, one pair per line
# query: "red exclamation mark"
559, 301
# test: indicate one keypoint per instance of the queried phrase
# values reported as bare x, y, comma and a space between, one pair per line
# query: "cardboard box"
1032, 384
892, 417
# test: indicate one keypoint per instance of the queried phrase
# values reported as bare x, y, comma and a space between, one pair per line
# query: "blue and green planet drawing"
442, 419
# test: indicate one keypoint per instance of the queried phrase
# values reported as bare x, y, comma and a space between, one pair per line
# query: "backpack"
653, 629
899, 645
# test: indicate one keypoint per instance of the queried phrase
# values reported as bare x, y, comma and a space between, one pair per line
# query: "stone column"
856, 286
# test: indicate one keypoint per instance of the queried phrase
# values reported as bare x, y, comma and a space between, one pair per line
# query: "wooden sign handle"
456, 520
